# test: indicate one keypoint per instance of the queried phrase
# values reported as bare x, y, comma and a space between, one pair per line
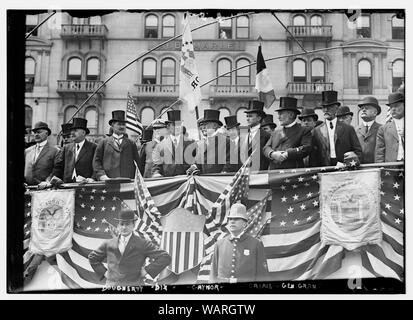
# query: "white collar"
368, 123
81, 143
399, 121
126, 239
334, 121
117, 137
255, 128
291, 124
231, 237
41, 144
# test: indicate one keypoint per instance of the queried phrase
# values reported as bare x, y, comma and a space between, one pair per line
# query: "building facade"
69, 57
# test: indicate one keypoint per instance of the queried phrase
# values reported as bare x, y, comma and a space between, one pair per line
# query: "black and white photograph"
206, 151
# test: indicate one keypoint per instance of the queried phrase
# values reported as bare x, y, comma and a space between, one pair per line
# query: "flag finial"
259, 39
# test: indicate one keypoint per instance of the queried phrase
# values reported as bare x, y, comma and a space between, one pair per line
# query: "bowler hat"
41, 125
268, 120
80, 123
329, 97
288, 103
126, 215
343, 111
66, 129
307, 113
238, 211
256, 106
159, 124
395, 97
231, 122
211, 115
117, 115
174, 115
370, 101
147, 135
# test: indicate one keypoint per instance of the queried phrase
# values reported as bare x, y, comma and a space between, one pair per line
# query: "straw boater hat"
117, 115
288, 103
370, 101
329, 98
41, 125
255, 106
395, 97
307, 113
231, 122
80, 123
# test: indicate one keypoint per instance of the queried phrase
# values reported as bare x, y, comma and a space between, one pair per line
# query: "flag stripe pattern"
133, 122
263, 83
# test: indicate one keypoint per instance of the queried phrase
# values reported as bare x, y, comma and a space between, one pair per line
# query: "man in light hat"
291, 143
175, 154
233, 132
238, 257
40, 158
345, 115
333, 140
74, 163
390, 137
367, 130
116, 155
126, 254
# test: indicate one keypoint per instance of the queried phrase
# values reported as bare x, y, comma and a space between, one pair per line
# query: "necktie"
122, 244
331, 125
77, 147
37, 152
249, 143
118, 141
77, 151
366, 129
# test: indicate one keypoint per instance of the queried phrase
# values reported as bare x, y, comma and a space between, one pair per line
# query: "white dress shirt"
119, 139
400, 132
123, 242
80, 144
331, 136
38, 149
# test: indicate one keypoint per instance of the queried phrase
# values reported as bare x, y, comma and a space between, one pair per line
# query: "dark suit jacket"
345, 138
126, 269
387, 143
296, 141
368, 142
65, 161
113, 161
250, 261
145, 158
259, 161
42, 168
214, 156
169, 161
235, 156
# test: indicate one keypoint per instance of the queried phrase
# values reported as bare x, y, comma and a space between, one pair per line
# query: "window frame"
305, 77
369, 88
146, 28
361, 30
397, 33
311, 71
168, 76
163, 26
66, 119
29, 78
297, 16
224, 77
143, 70
92, 129
243, 27
236, 72
141, 115
225, 28
68, 75
87, 69
396, 86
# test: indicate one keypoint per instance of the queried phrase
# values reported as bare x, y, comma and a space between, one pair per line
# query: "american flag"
133, 122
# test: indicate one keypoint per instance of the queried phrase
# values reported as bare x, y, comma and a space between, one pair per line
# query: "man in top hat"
40, 158
175, 154
256, 138
116, 155
145, 153
390, 137
66, 137
238, 257
126, 254
367, 130
291, 143
344, 115
334, 140
74, 161
212, 153
233, 132
268, 124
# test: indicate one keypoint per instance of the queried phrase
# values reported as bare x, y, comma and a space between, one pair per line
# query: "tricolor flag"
133, 122
189, 86
263, 83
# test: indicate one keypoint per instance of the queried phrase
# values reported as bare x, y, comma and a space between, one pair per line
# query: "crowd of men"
302, 140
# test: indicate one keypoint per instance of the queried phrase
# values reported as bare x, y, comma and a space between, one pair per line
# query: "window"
299, 20
28, 116
242, 117
299, 71
168, 72
74, 69
397, 27
76, 20
364, 77
93, 72
69, 112
149, 71
316, 20
242, 27
168, 26
95, 20
147, 116
223, 112
397, 74
91, 116
243, 75
363, 26
30, 69
317, 71
225, 29
224, 65
31, 23
151, 26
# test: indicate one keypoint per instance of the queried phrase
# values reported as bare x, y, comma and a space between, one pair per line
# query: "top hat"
159, 124
268, 120
395, 97
308, 112
288, 103
174, 115
370, 101
66, 129
231, 122
126, 215
329, 97
117, 115
80, 123
256, 107
238, 211
42, 125
211, 115
343, 111
147, 135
